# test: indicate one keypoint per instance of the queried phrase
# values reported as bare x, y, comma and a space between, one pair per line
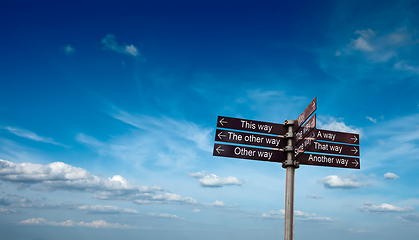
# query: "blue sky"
108, 113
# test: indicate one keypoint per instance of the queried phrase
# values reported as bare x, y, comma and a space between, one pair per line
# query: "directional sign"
304, 144
307, 112
249, 139
251, 126
332, 136
306, 129
329, 160
251, 153
334, 148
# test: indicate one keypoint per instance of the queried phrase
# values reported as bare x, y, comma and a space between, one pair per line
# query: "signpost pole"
290, 165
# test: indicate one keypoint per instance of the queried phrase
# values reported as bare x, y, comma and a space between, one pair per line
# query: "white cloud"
32, 136
59, 175
357, 231
8, 210
106, 209
298, 215
361, 44
197, 174
372, 119
68, 50
110, 43
196, 210
390, 175
212, 180
385, 207
333, 181
70, 223
331, 123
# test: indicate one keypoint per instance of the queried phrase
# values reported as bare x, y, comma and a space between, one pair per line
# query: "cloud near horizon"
71, 223
334, 181
212, 180
385, 207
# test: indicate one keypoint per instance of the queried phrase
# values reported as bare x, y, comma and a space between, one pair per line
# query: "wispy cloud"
69, 50
357, 231
314, 196
212, 180
110, 43
298, 215
385, 207
71, 223
373, 120
413, 217
331, 123
334, 181
32, 136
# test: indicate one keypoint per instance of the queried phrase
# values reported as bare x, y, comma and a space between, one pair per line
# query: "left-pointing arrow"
220, 135
222, 121
219, 149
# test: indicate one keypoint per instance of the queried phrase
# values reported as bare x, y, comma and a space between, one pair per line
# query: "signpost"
288, 143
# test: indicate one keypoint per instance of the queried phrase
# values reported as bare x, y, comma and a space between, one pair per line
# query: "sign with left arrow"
251, 125
251, 153
249, 139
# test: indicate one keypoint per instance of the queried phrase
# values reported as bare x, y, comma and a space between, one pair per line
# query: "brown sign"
307, 112
222, 135
332, 136
251, 153
334, 148
304, 144
306, 129
329, 160
251, 126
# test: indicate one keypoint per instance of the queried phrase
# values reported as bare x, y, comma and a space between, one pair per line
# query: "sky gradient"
108, 113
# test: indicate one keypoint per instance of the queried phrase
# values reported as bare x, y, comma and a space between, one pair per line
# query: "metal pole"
290, 165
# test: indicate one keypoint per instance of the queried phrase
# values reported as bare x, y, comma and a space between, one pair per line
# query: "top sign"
307, 113
251, 126
332, 136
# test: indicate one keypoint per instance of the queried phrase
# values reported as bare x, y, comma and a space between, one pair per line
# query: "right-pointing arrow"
354, 150
355, 139
219, 149
356, 163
